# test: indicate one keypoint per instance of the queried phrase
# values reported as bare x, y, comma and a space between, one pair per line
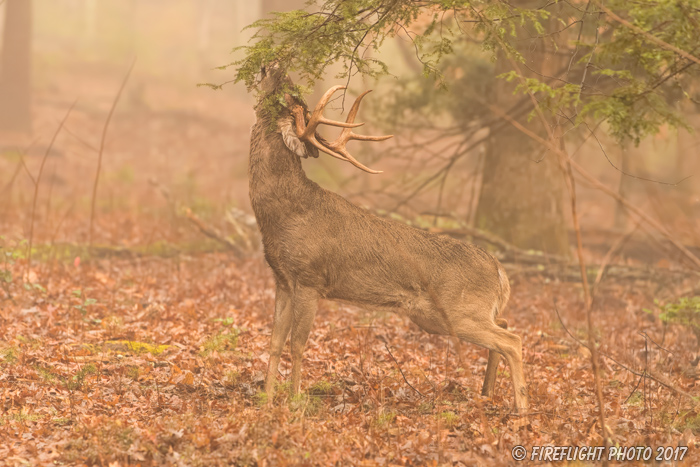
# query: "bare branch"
102, 146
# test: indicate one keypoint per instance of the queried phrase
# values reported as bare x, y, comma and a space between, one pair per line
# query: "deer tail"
504, 291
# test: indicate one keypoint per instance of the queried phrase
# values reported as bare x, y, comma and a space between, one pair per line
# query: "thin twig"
623, 366
26, 169
644, 383
11, 182
636, 386
19, 167
401, 371
609, 256
647, 336
82, 141
588, 298
102, 146
36, 188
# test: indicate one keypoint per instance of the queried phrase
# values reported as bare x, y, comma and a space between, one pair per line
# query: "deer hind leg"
488, 334
304, 306
492, 366
282, 323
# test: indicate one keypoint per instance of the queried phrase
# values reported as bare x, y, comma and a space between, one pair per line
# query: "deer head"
299, 126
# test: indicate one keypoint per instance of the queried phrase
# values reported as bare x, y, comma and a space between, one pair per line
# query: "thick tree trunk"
522, 189
521, 194
15, 67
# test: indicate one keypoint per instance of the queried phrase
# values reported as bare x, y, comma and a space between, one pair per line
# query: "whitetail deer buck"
319, 245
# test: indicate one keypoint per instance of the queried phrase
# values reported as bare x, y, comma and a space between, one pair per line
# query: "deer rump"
320, 245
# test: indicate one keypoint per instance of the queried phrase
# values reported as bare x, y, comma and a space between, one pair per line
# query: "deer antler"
307, 131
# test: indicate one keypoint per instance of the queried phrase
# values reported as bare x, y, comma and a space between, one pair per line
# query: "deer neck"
277, 182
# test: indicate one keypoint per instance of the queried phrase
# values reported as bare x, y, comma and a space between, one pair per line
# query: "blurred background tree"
15, 67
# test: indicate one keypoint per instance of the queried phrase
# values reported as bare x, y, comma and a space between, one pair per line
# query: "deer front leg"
492, 366
281, 324
304, 306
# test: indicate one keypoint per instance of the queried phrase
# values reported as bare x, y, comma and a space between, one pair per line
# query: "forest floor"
161, 360
151, 347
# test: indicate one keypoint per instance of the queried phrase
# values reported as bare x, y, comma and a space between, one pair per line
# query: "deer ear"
311, 151
289, 136
291, 140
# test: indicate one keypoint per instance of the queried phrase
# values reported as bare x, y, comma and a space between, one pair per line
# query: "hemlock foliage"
615, 73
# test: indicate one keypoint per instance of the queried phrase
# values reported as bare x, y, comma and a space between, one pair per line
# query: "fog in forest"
125, 216
194, 140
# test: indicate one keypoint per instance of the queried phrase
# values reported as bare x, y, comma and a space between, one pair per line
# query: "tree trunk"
15, 67
522, 189
269, 6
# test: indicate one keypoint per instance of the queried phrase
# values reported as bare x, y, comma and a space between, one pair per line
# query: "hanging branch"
649, 36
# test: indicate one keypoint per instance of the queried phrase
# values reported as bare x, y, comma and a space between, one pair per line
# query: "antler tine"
318, 118
346, 135
356, 107
307, 131
301, 129
357, 137
355, 162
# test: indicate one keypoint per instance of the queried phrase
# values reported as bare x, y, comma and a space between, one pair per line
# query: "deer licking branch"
319, 245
